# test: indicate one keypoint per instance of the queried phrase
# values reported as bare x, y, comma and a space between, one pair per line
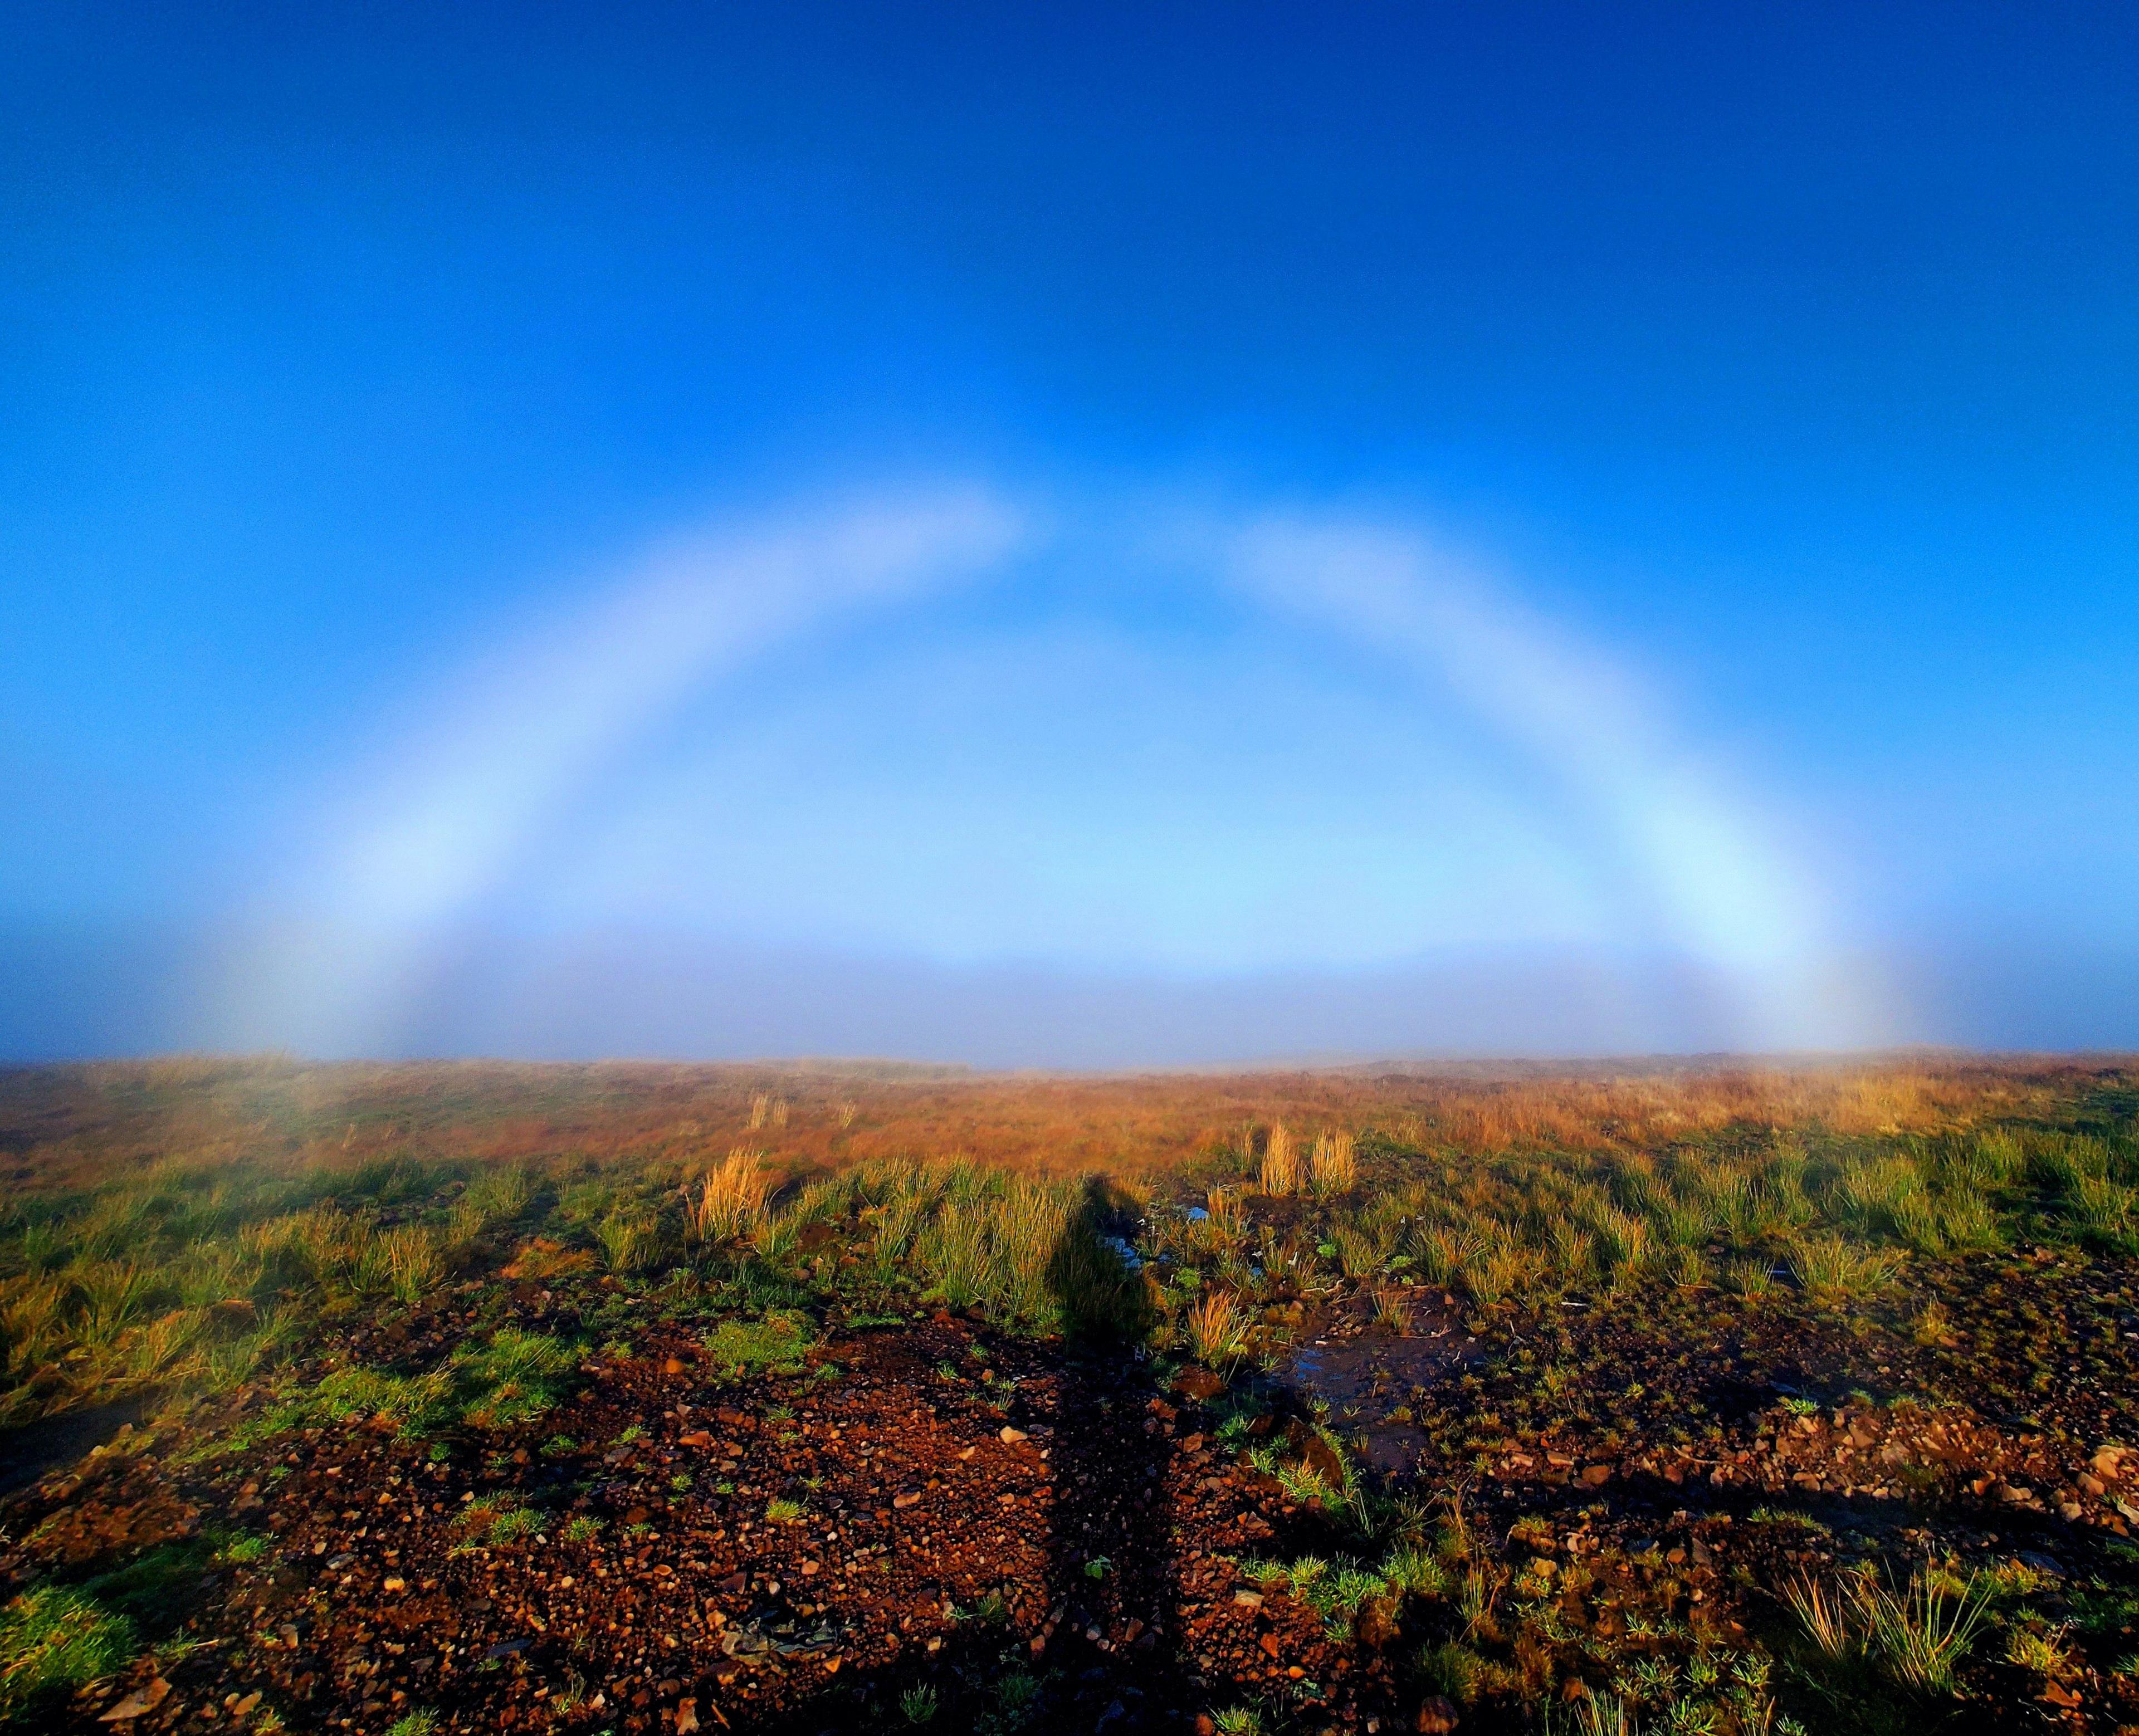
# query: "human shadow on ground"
1094, 1646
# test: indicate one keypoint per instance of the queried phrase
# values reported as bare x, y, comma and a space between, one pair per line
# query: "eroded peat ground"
931, 1523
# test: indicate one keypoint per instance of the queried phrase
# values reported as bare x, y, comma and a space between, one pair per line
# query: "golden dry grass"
77, 1124
1335, 1166
161, 1214
1280, 1170
729, 1199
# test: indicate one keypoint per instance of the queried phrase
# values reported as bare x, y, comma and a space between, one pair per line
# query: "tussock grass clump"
1281, 1168
1362, 1249
633, 1239
730, 1199
1444, 1251
1334, 1165
1624, 1243
1035, 1256
1915, 1636
414, 1262
1924, 1630
1828, 1267
1224, 1226
2104, 1213
1216, 1328
1497, 1269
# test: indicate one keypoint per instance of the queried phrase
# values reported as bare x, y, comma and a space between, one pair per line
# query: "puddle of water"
1362, 1379
31, 1451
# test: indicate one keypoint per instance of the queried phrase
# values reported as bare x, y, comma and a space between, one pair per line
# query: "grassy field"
1670, 1280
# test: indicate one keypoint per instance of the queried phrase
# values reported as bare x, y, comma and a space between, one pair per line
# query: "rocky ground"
1485, 1521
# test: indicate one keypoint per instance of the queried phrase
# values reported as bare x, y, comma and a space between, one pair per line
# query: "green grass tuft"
52, 1641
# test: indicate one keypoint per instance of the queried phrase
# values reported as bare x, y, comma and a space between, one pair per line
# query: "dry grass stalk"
1281, 1164
1335, 1164
730, 1199
1217, 1328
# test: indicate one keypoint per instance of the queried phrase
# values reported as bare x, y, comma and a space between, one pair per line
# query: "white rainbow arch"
421, 835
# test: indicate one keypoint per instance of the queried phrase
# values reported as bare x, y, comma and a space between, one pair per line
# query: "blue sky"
1477, 528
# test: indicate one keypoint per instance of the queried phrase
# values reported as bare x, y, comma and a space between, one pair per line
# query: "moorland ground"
656, 1398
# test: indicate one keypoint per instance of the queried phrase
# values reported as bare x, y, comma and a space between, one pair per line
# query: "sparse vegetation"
779, 1342
643, 1326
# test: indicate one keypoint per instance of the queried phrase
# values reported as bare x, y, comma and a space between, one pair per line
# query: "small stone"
687, 1717
1011, 1436
140, 1700
1595, 1476
1197, 1383
1437, 1717
1248, 1599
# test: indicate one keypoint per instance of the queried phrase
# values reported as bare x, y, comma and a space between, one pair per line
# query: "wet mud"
1375, 1380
